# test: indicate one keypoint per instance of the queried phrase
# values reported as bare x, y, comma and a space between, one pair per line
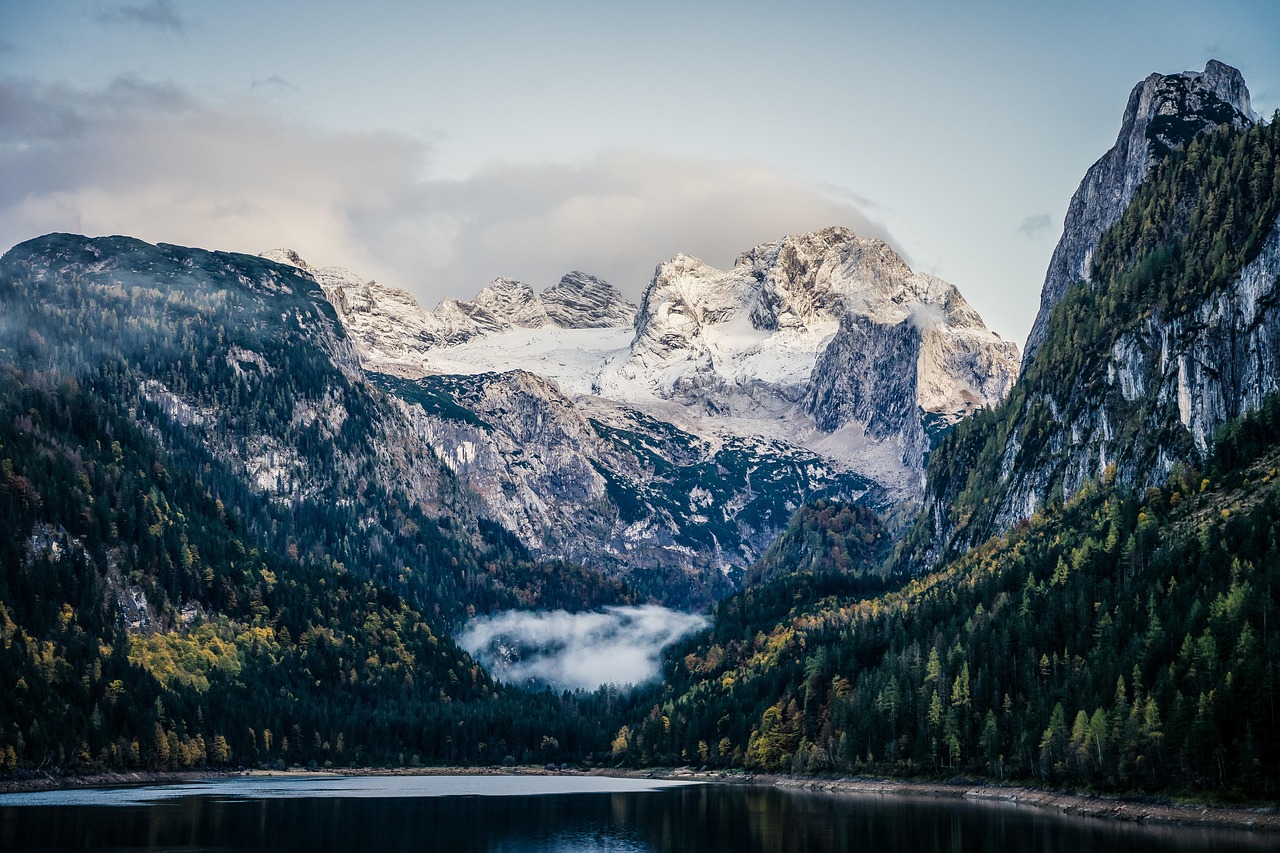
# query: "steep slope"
1121, 642
1100, 547
1178, 333
240, 365
678, 515
767, 343
223, 546
826, 538
1163, 112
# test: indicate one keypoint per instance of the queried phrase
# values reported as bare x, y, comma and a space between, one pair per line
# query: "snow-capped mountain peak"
684, 432
393, 334
748, 340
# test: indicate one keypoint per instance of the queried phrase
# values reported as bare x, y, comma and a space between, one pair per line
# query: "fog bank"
619, 645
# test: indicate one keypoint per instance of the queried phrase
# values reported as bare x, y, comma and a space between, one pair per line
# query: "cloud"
1034, 225
155, 162
157, 13
926, 317
150, 161
616, 216
621, 645
276, 82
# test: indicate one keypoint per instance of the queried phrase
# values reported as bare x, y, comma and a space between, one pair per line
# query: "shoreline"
1149, 812
1146, 811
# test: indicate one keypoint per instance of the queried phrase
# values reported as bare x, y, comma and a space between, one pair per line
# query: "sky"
438, 145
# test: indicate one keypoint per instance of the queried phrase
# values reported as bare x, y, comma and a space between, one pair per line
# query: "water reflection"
733, 819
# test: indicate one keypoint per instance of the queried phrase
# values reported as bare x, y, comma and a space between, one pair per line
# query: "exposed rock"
606, 486
1198, 371
582, 301
393, 334
513, 301
1156, 396
868, 375
1163, 112
772, 342
679, 438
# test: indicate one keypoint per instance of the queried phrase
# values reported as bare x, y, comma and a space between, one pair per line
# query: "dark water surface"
486, 813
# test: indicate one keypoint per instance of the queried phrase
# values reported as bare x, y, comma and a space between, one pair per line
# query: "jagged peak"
1163, 112
579, 279
578, 282
806, 277
511, 301
582, 300
502, 284
1227, 83
679, 263
822, 238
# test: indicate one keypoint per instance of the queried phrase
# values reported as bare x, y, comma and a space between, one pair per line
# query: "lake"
556, 813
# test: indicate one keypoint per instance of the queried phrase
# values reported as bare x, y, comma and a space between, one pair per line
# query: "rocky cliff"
599, 483
1163, 112
822, 334
237, 372
1177, 334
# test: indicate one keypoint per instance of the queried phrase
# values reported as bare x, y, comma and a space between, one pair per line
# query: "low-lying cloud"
1034, 226
156, 162
619, 645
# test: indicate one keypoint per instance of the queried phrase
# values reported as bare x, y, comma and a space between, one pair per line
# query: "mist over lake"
618, 645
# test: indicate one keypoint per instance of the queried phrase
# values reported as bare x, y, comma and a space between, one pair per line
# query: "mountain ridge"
722, 369
1163, 111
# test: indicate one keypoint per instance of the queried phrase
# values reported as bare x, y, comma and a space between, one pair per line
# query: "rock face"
1163, 112
582, 301
601, 484
1157, 366
823, 333
1170, 384
239, 372
868, 375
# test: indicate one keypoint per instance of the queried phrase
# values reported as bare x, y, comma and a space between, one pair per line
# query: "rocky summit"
780, 343
1163, 112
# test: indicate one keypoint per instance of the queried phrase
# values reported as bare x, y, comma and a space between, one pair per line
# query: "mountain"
240, 365
1163, 112
767, 344
224, 545
1087, 597
1173, 335
248, 500
393, 333
672, 443
677, 515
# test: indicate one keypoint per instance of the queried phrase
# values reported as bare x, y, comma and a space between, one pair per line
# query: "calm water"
486, 813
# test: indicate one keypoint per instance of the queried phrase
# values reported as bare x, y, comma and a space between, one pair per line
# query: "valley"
269, 514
